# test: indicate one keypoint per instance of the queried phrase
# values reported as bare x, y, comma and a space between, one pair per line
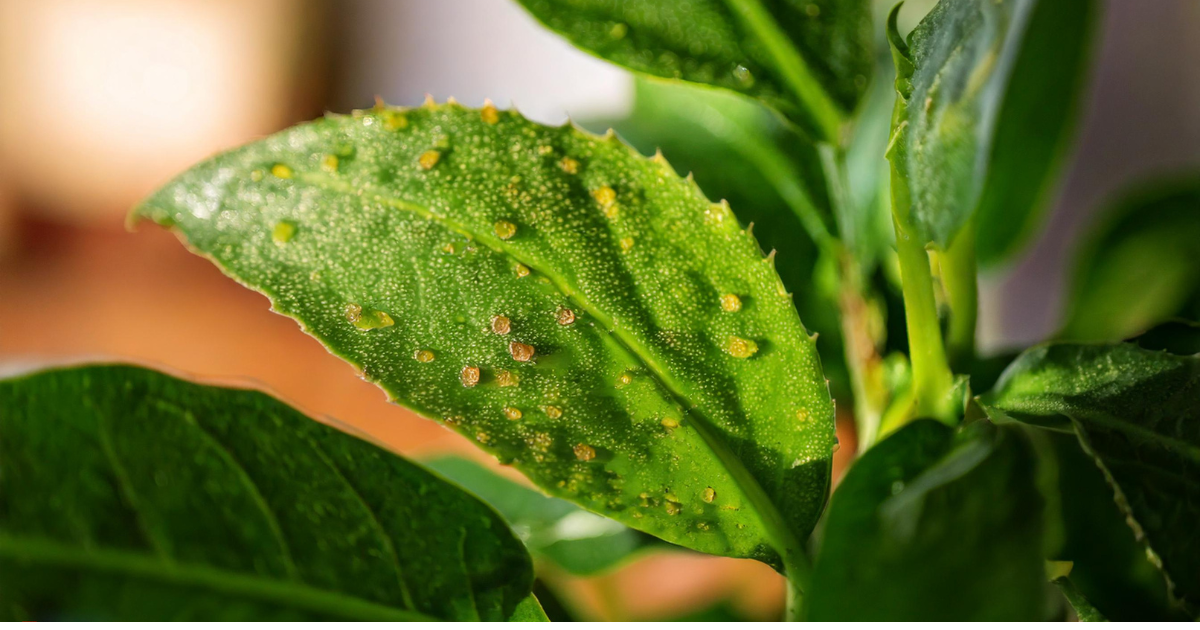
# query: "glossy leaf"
929, 525
810, 60
576, 309
575, 540
128, 494
988, 91
1137, 413
1138, 267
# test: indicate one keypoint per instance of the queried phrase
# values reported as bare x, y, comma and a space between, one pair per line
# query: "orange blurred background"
103, 100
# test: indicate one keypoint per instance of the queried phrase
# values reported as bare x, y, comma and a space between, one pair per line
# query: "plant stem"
790, 65
932, 379
958, 271
798, 571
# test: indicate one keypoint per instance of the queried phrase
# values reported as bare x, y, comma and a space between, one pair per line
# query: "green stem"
790, 65
958, 271
932, 379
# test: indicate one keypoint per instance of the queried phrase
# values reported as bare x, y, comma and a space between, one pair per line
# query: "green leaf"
1136, 412
1084, 609
529, 610
810, 60
1137, 268
987, 98
578, 310
929, 525
577, 541
128, 494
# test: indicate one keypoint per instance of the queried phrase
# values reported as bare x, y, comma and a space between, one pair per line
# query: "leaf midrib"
776, 527
135, 565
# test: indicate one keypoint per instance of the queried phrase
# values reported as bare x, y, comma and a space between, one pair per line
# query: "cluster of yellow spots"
565, 316
512, 413
424, 356
670, 423
501, 325
540, 441
740, 348
393, 120
483, 437
520, 351
607, 198
504, 230
469, 376
545, 149
626, 244
803, 415
504, 378
429, 159
731, 303
569, 165
329, 163
489, 113
282, 171
584, 453
552, 412
283, 232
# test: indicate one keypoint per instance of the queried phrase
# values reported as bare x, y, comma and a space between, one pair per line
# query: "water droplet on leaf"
469, 376
424, 356
504, 230
429, 159
740, 348
512, 413
282, 171
731, 303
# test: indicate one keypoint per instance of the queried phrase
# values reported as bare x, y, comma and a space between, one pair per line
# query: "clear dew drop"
553, 412
282, 171
740, 348
283, 232
512, 413
708, 495
367, 318
584, 453
565, 317
501, 325
469, 376
569, 165
520, 351
504, 378
504, 230
424, 356
429, 159
731, 303
743, 76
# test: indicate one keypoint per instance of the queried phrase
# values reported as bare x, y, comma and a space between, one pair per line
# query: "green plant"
594, 320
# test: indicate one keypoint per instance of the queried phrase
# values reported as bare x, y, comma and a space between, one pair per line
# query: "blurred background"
101, 101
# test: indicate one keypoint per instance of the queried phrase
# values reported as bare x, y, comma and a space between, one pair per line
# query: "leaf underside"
576, 309
127, 494
930, 526
705, 41
1137, 413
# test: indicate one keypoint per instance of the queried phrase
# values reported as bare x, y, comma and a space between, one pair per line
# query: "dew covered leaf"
929, 525
970, 71
1138, 266
810, 60
575, 540
128, 494
574, 308
1136, 412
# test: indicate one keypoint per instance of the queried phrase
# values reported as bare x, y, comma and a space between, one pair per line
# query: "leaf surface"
1137, 413
987, 91
810, 60
932, 526
575, 540
576, 309
127, 494
1138, 266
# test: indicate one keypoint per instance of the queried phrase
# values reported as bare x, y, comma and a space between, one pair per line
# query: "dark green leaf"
1176, 336
810, 60
1084, 609
578, 541
929, 525
578, 310
128, 494
1137, 413
1109, 566
1138, 268
973, 70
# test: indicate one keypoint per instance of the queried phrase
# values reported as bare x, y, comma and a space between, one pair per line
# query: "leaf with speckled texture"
127, 494
1137, 413
576, 309
930, 525
959, 87
711, 42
